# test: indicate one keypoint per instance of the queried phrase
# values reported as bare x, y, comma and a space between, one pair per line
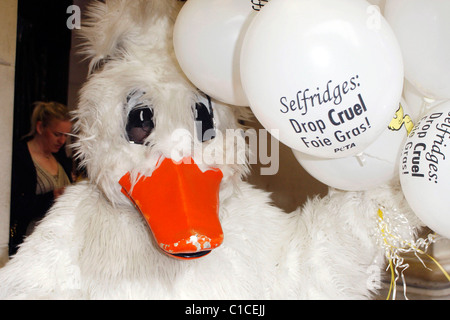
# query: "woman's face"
55, 134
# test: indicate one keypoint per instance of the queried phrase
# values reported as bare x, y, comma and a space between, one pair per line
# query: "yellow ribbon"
391, 252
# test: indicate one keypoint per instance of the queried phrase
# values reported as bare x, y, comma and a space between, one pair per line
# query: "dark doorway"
42, 57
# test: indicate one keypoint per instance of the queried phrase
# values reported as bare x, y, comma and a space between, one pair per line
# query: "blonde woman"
41, 169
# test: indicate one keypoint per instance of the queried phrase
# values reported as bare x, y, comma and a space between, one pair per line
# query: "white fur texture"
87, 249
93, 244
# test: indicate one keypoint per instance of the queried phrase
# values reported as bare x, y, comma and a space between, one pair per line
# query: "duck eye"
204, 120
140, 124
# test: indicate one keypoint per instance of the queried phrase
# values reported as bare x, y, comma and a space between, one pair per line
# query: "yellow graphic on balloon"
399, 119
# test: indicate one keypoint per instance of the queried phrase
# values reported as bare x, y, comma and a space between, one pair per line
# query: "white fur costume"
93, 244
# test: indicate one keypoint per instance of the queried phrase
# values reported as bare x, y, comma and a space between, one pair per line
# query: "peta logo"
74, 21
347, 147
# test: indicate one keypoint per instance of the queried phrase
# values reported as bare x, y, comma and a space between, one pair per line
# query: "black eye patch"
139, 124
204, 120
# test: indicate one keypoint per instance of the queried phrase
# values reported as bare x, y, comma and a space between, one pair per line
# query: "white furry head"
113, 26
133, 64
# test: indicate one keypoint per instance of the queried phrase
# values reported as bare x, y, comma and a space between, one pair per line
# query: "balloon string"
396, 261
423, 107
361, 159
426, 102
392, 286
437, 263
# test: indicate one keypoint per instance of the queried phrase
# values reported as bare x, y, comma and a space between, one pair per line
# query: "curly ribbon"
395, 245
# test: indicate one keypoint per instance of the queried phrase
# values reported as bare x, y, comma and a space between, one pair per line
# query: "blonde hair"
47, 112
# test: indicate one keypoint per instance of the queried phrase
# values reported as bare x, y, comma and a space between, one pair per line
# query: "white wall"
8, 25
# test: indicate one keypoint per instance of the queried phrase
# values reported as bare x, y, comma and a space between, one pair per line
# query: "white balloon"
418, 103
376, 165
422, 28
425, 169
208, 36
327, 74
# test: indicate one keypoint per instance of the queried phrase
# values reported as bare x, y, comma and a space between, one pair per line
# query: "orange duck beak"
181, 206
